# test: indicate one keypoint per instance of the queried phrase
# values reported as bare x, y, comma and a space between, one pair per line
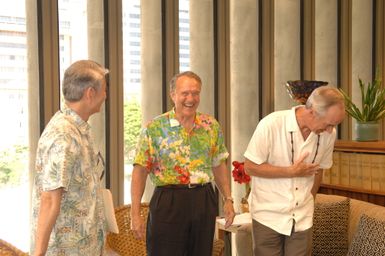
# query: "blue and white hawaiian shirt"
66, 159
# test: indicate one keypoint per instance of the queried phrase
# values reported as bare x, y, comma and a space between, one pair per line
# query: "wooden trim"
379, 49
267, 55
49, 77
223, 66
308, 40
114, 108
345, 58
356, 146
355, 190
170, 47
371, 197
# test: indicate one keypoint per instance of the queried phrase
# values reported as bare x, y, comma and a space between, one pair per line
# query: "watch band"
228, 198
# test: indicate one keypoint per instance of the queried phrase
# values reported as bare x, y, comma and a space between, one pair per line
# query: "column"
95, 36
244, 76
287, 49
151, 66
202, 50
362, 42
326, 29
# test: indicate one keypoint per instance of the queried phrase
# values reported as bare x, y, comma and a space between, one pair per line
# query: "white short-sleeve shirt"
276, 202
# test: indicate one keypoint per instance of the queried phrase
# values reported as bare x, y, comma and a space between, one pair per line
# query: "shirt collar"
73, 117
174, 122
291, 122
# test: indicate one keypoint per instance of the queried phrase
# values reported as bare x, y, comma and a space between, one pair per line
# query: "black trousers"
181, 221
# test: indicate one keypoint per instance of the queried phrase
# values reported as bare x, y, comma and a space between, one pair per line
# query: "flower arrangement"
241, 177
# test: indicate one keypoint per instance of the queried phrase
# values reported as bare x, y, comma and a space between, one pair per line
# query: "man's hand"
229, 212
138, 183
137, 226
301, 169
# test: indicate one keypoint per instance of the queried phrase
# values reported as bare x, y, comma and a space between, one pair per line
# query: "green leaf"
372, 101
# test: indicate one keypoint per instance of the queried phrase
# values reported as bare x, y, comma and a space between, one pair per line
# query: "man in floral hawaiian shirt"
183, 151
67, 214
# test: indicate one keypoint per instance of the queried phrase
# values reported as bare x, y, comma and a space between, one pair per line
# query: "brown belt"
198, 185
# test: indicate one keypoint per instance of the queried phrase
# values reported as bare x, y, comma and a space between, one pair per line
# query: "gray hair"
189, 74
323, 98
81, 75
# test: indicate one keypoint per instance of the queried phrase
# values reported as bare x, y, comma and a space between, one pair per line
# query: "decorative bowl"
300, 90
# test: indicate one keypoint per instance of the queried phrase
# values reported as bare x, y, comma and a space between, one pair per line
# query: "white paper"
109, 211
239, 220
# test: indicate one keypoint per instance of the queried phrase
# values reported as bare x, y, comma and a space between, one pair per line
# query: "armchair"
125, 243
7, 249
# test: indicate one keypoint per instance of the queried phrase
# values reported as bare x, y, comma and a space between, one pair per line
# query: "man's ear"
172, 94
89, 93
314, 113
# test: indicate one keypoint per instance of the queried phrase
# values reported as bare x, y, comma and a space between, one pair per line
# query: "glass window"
81, 36
131, 87
184, 35
14, 151
73, 40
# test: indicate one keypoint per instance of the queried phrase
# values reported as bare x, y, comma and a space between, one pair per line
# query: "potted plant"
372, 109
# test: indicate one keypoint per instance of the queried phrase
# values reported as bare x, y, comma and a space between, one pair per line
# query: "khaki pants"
267, 242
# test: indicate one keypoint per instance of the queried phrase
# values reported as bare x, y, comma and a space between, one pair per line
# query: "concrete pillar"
151, 67
326, 29
95, 31
287, 49
202, 50
151, 62
33, 87
244, 76
361, 48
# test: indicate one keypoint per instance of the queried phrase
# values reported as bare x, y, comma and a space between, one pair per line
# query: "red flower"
239, 173
184, 177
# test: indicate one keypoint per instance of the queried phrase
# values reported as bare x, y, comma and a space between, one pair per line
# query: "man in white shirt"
286, 157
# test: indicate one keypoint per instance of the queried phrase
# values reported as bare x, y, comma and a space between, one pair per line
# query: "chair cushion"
7, 249
369, 238
330, 227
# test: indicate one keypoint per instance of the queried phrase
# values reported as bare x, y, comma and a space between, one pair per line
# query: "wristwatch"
229, 198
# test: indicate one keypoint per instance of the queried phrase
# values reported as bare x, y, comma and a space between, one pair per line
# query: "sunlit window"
14, 180
184, 35
73, 40
131, 87
81, 36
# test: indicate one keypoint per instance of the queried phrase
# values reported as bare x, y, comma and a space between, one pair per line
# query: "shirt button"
296, 204
293, 214
296, 188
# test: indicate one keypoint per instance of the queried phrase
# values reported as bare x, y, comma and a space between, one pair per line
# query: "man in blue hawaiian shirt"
67, 207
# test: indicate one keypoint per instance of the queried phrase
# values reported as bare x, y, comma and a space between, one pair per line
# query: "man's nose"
190, 97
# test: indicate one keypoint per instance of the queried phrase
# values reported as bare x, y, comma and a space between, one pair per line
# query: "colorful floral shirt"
173, 155
66, 159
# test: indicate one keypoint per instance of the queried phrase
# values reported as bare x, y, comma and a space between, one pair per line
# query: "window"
72, 32
184, 35
81, 36
131, 87
14, 136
